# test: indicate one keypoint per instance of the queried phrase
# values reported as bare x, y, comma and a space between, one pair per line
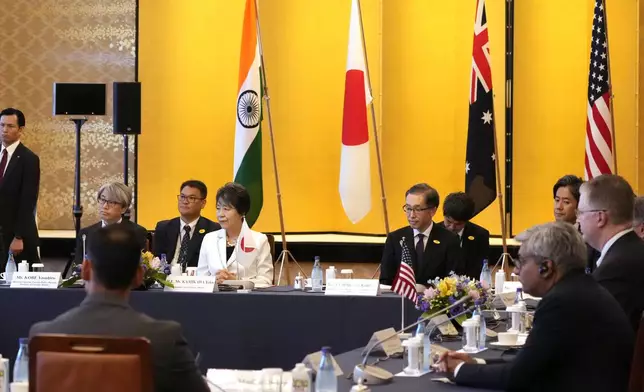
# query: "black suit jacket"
580, 341
18, 198
442, 255
166, 236
174, 367
141, 234
621, 272
475, 247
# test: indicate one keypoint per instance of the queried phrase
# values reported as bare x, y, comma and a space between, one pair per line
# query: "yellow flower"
447, 287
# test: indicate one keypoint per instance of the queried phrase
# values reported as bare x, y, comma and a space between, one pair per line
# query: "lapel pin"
471, 238
201, 231
437, 242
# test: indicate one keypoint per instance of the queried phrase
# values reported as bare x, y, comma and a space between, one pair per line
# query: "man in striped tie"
436, 249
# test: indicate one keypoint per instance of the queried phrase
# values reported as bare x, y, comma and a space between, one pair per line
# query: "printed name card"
35, 280
312, 361
192, 284
445, 326
359, 287
390, 347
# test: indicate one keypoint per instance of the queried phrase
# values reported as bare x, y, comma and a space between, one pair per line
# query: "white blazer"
256, 267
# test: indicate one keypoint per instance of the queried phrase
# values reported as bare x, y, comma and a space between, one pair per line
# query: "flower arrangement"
444, 292
155, 271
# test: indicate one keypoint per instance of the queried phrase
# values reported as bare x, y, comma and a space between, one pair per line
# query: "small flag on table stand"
405, 280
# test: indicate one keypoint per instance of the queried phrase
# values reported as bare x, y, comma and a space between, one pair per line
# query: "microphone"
84, 251
373, 375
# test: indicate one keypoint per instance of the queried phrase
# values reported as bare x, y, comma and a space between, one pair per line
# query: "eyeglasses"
111, 204
581, 212
417, 210
521, 261
189, 199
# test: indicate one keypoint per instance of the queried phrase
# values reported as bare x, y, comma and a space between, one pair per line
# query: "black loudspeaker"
81, 99
127, 108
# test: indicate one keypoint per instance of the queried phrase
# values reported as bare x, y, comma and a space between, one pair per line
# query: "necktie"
3, 163
420, 248
183, 250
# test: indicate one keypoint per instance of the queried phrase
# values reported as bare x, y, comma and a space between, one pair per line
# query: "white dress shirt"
103, 223
479, 361
460, 236
10, 150
425, 233
610, 243
182, 233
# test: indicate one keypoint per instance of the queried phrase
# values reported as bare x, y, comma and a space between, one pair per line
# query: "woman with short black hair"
235, 252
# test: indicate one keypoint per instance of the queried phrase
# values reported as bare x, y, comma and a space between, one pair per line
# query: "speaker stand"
126, 160
77, 209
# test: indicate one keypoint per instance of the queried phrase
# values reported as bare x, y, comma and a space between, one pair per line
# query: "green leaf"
69, 282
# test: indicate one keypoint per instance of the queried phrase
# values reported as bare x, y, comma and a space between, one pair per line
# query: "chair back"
636, 382
271, 244
60, 363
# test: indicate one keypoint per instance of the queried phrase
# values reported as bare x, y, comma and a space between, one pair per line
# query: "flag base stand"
285, 257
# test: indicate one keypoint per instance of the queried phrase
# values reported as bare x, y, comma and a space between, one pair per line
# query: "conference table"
347, 361
275, 327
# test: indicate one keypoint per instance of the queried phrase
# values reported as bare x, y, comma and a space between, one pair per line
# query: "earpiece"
543, 269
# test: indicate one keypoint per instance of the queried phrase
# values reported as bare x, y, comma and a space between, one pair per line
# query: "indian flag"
355, 171
248, 129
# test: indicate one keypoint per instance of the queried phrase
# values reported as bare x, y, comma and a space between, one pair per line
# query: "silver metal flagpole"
285, 255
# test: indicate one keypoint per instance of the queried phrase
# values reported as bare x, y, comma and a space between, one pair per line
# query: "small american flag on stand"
599, 123
405, 281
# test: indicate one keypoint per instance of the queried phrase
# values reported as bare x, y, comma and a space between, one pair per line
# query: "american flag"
480, 169
599, 132
405, 281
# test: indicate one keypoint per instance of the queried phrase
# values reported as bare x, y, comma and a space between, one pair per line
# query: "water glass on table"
346, 274
272, 380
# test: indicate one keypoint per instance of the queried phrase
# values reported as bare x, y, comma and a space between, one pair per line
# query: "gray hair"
556, 241
611, 193
638, 211
115, 191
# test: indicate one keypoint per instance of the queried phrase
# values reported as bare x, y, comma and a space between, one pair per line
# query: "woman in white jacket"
235, 252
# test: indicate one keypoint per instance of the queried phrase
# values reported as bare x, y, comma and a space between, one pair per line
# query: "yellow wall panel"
189, 72
552, 43
188, 62
427, 59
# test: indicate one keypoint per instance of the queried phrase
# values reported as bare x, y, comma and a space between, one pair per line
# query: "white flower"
155, 263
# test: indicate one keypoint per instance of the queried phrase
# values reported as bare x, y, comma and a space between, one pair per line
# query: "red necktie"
3, 163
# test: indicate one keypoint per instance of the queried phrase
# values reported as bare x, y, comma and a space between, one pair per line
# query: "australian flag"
480, 174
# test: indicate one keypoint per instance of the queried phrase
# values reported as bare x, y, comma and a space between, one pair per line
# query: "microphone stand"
372, 375
363, 368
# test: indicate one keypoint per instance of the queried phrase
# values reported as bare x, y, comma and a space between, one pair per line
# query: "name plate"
390, 347
35, 280
443, 325
359, 287
192, 284
312, 361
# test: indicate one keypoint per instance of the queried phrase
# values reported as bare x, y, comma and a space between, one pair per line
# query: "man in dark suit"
580, 340
605, 215
565, 193
458, 209
19, 183
113, 199
180, 238
112, 268
434, 249
638, 216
